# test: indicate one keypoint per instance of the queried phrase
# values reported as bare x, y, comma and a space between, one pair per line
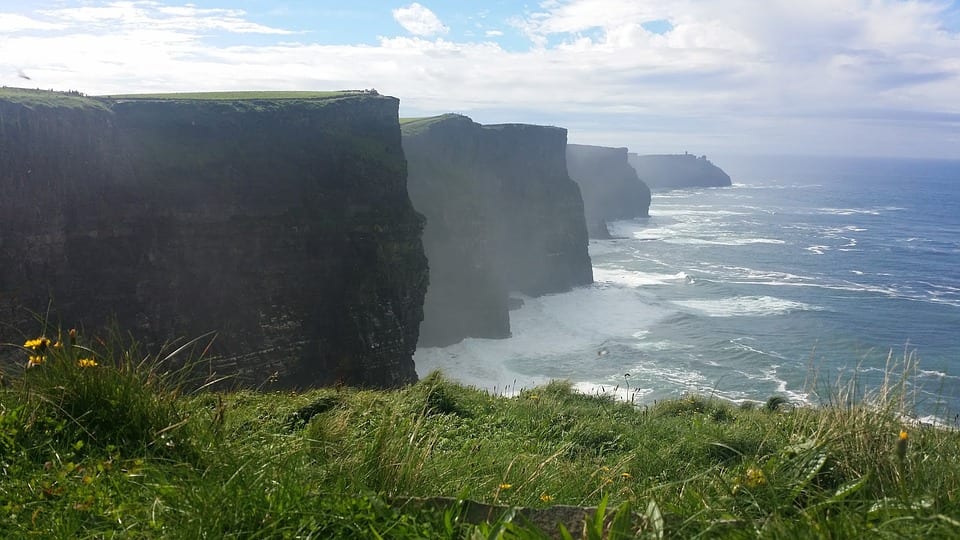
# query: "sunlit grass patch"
234, 96
100, 439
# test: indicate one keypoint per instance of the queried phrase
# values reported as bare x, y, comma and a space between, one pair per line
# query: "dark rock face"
502, 215
678, 171
610, 187
540, 212
451, 185
284, 226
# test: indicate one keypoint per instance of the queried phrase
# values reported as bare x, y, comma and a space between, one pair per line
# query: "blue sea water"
806, 271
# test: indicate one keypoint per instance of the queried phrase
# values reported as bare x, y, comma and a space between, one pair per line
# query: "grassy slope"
52, 99
233, 96
117, 449
413, 126
46, 98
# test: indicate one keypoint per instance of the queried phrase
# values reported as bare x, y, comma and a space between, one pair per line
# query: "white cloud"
493, 33
11, 22
148, 14
419, 20
821, 75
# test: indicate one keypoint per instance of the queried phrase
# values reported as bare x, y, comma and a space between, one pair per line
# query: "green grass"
413, 126
122, 449
235, 96
48, 98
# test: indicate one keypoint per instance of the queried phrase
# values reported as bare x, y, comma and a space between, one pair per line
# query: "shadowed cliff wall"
502, 215
678, 171
610, 187
282, 225
540, 210
450, 184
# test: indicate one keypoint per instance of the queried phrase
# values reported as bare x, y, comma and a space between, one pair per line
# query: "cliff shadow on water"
282, 224
502, 215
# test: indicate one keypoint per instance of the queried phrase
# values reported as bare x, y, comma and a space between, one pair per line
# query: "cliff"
610, 187
678, 171
540, 210
450, 184
501, 215
281, 223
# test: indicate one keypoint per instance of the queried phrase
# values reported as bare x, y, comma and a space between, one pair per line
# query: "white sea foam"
851, 243
739, 344
546, 333
658, 346
654, 372
935, 421
935, 374
687, 212
633, 278
737, 272
875, 211
740, 306
818, 250
847, 211
721, 241
618, 391
642, 231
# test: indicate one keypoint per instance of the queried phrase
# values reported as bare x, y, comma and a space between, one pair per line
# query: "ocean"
806, 272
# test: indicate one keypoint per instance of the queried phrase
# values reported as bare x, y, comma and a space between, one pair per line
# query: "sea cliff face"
540, 211
502, 215
610, 187
678, 171
451, 185
282, 225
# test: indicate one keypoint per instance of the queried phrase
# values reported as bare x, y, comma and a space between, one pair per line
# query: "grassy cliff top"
239, 96
96, 443
76, 100
413, 126
520, 125
48, 98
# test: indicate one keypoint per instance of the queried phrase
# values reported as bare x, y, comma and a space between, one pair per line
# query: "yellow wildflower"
34, 361
505, 486
755, 477
626, 476
902, 445
87, 362
39, 344
545, 498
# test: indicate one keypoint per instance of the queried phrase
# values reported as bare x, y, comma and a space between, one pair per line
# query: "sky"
813, 77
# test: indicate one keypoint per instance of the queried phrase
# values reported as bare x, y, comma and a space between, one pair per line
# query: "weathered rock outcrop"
284, 225
610, 187
502, 215
678, 171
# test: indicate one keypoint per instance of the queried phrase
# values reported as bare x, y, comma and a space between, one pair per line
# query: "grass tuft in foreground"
101, 440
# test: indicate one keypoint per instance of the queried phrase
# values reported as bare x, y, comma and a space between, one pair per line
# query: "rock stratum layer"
678, 171
284, 225
611, 189
502, 215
